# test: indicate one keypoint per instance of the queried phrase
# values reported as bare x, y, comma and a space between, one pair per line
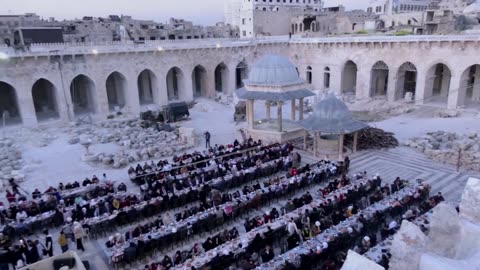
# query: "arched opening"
240, 74
469, 92
309, 75
293, 28
406, 80
349, 77
437, 84
296, 28
379, 79
175, 83
199, 81
116, 89
8, 104
147, 87
221, 78
82, 91
44, 100
326, 78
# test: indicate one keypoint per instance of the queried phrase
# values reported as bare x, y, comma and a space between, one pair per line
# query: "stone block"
356, 261
444, 231
407, 247
470, 203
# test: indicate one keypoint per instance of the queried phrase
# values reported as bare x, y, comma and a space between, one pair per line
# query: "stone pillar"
132, 98
400, 87
336, 80
457, 92
231, 84
250, 118
268, 105
101, 99
340, 147
25, 105
185, 86
315, 142
293, 110
159, 89
420, 87
210, 83
355, 141
445, 84
145, 87
279, 115
300, 108
391, 84
363, 82
305, 140
476, 86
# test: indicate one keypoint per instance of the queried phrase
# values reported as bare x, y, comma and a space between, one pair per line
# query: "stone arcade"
64, 81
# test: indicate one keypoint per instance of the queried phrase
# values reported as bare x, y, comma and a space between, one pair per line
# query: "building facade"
115, 28
266, 17
67, 81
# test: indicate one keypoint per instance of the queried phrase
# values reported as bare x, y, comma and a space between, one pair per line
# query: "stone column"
159, 89
420, 87
305, 140
476, 86
250, 118
231, 84
457, 92
25, 105
445, 84
268, 105
185, 86
340, 147
132, 99
210, 84
293, 110
315, 142
355, 141
391, 84
362, 86
300, 108
336, 80
279, 115
101, 99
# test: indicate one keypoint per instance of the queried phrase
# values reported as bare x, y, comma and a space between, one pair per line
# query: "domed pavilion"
274, 79
330, 121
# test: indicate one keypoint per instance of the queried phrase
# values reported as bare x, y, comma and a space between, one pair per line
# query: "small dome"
332, 108
331, 115
273, 70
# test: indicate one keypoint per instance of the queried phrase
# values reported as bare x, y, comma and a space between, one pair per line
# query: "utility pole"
459, 162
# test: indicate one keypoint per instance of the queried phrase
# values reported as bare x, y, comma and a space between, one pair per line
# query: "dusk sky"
199, 11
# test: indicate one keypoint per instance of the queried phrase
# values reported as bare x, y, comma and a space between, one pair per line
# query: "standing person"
48, 244
62, 241
78, 233
207, 139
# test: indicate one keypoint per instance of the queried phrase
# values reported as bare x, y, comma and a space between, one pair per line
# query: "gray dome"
331, 115
332, 108
273, 70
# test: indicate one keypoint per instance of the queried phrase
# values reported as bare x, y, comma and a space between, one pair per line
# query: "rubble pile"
11, 162
446, 147
137, 143
373, 138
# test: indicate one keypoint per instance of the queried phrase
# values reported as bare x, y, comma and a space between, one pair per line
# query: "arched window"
309, 74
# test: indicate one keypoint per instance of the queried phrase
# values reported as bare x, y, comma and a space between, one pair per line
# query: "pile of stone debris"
450, 148
137, 143
373, 138
11, 162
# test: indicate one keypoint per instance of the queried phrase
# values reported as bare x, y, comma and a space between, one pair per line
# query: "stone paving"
402, 161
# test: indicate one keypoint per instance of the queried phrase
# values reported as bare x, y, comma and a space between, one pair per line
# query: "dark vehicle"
25, 36
175, 111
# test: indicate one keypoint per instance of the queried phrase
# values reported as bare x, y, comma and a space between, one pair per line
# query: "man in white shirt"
292, 227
